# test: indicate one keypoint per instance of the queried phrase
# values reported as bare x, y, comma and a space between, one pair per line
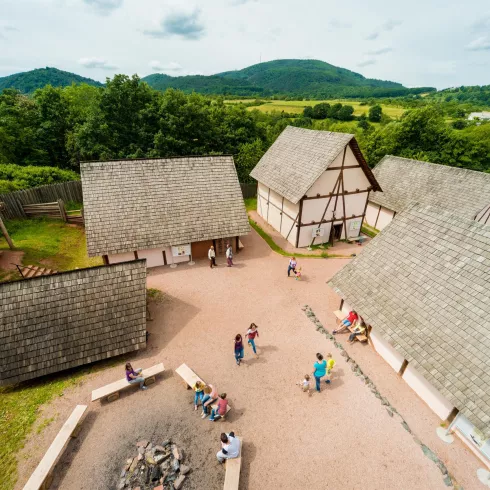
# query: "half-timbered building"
313, 186
463, 192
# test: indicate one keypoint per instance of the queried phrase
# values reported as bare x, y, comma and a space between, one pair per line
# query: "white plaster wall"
306, 235
274, 217
338, 160
324, 184
313, 210
291, 209
384, 218
292, 236
125, 257
371, 214
386, 351
355, 204
275, 199
174, 260
355, 178
439, 404
153, 256
262, 192
287, 223
350, 233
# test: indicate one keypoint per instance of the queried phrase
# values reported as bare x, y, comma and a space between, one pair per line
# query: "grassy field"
50, 243
297, 106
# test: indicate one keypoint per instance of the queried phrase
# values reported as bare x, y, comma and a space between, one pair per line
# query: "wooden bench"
111, 391
43, 474
340, 316
232, 475
190, 378
359, 239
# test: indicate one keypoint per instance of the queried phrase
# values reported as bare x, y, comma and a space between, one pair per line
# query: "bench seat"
339, 314
233, 466
356, 239
42, 476
360, 338
190, 378
111, 391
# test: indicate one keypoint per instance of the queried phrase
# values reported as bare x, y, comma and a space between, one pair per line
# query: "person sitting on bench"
230, 447
358, 330
133, 378
220, 411
349, 320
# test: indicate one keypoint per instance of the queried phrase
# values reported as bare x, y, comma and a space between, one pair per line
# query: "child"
330, 366
221, 410
305, 384
297, 273
199, 389
210, 396
238, 349
252, 332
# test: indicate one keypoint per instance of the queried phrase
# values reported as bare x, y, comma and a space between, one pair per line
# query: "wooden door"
200, 249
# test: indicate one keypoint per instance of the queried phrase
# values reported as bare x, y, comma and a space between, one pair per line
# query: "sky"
418, 43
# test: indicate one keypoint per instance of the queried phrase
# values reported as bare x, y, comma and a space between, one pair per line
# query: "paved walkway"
341, 438
340, 249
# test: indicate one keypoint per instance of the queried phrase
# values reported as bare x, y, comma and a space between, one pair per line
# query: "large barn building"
461, 191
423, 286
313, 186
68, 319
162, 210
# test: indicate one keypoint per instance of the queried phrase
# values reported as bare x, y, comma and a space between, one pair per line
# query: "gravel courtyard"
341, 438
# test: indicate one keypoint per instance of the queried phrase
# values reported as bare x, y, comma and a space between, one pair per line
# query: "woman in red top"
220, 411
252, 332
349, 320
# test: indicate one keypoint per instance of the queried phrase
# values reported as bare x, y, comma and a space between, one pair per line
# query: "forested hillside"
29, 81
475, 94
297, 78
61, 126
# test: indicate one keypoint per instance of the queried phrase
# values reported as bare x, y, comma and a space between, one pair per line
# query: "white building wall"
355, 178
262, 193
371, 214
384, 219
355, 204
324, 184
386, 351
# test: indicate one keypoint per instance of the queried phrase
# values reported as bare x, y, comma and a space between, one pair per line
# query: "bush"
16, 177
375, 113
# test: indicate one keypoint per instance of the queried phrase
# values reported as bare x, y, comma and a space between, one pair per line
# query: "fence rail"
15, 201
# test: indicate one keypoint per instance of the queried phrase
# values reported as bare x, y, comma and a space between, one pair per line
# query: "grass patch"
45, 423
251, 203
369, 230
51, 243
155, 295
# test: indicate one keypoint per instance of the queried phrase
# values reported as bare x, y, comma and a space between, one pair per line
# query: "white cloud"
480, 44
366, 63
483, 23
173, 66
339, 24
377, 52
372, 36
104, 7
96, 63
181, 24
387, 26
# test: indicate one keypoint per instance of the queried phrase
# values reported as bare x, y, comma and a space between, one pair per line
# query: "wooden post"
402, 368
105, 258
61, 205
452, 415
6, 235
299, 221
237, 246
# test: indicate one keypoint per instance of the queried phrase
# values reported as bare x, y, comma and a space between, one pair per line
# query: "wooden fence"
47, 209
248, 190
14, 201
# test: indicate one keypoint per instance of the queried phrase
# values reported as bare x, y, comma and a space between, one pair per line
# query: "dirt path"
342, 438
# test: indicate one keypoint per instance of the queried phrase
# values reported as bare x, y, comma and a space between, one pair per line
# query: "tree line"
60, 127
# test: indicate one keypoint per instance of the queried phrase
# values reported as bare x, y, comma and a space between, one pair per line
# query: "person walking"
230, 447
330, 366
212, 257
252, 332
238, 348
132, 376
292, 266
229, 255
320, 369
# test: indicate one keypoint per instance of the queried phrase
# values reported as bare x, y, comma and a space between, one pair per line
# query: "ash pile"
155, 467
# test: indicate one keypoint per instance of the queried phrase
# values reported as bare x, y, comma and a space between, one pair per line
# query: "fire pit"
154, 467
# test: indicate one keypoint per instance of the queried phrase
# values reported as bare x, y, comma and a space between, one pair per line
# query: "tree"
321, 111
345, 113
308, 112
375, 113
248, 156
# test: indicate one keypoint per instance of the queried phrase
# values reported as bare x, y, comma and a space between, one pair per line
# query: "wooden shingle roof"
404, 181
52, 323
424, 284
151, 203
298, 158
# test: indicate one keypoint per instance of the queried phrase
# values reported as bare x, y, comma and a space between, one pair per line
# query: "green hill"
296, 78
29, 81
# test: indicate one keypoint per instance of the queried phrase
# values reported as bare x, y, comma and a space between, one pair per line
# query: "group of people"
322, 368
351, 320
228, 253
207, 395
252, 332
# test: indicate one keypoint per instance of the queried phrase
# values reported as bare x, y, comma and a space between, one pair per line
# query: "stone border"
448, 479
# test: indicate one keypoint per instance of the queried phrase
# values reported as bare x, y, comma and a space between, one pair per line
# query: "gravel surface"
342, 438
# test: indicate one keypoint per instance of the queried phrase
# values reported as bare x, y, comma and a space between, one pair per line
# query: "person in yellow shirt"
330, 366
199, 389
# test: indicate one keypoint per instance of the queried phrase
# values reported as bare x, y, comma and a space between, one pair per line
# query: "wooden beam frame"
329, 221
376, 222
347, 166
299, 221
346, 193
402, 368
105, 259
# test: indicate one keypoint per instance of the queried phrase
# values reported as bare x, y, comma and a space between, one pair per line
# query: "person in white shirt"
292, 266
305, 384
212, 257
230, 447
229, 255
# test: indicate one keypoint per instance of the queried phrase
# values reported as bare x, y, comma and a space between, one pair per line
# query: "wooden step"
30, 272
